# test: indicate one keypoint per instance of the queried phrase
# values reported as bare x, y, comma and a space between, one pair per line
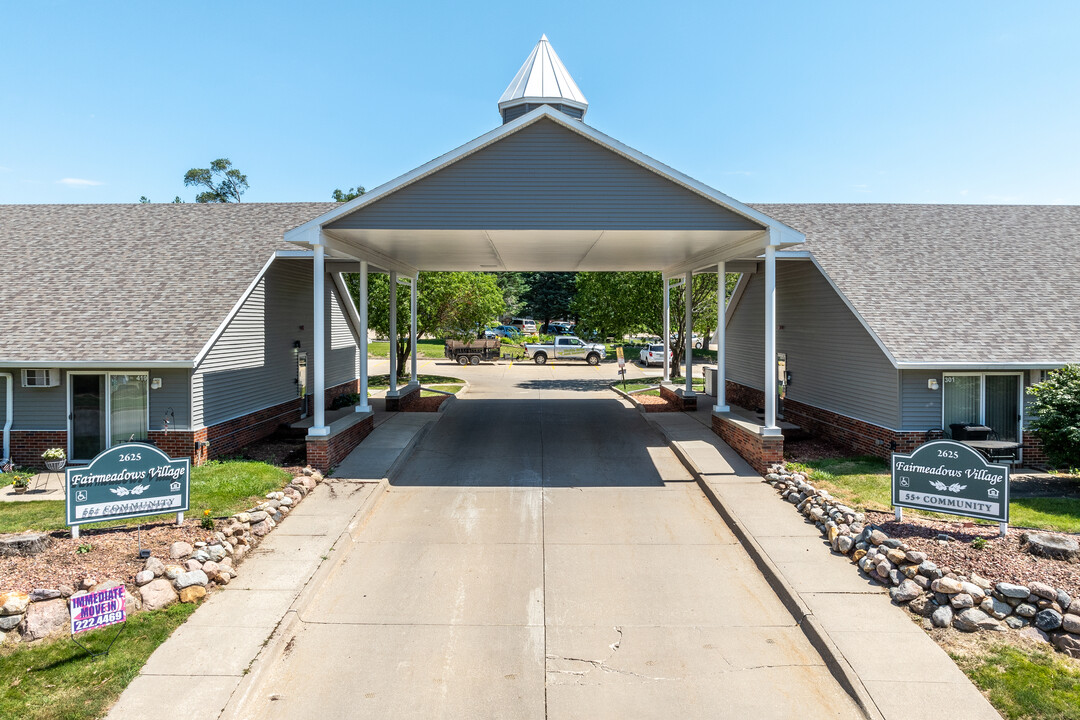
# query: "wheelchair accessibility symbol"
905, 482
81, 496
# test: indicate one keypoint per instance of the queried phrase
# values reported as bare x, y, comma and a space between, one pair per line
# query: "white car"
653, 355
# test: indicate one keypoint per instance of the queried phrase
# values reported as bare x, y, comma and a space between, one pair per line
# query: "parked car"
526, 326
653, 355
490, 334
566, 347
558, 328
507, 331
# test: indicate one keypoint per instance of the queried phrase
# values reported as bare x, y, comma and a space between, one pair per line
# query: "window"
41, 378
990, 399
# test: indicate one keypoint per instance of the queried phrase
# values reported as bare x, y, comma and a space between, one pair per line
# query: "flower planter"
55, 465
21, 489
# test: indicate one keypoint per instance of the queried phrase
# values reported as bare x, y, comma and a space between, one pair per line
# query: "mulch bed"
654, 403
1001, 559
113, 555
807, 448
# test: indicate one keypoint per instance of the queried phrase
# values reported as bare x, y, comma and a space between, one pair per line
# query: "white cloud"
78, 182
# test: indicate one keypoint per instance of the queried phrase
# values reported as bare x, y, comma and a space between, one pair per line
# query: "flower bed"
966, 601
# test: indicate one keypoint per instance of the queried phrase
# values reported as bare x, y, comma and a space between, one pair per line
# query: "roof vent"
542, 80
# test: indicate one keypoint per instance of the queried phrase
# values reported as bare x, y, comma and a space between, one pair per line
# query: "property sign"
620, 356
949, 477
98, 609
126, 481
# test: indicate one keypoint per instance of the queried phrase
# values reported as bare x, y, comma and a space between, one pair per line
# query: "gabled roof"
543, 79
953, 285
130, 283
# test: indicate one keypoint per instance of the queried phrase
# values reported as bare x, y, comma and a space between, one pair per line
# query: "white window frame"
108, 405
53, 375
982, 396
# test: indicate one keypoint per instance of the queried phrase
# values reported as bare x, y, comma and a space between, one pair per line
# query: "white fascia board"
946, 366
359, 252
736, 296
749, 246
308, 233
95, 364
538, 100
235, 309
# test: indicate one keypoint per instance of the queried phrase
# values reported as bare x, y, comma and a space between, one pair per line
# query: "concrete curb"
819, 638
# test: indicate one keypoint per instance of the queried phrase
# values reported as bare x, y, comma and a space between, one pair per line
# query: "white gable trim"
308, 233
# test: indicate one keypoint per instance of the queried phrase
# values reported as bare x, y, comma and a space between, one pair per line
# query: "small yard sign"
949, 477
98, 609
126, 481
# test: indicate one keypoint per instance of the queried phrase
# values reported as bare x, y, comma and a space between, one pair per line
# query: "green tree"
549, 295
513, 287
449, 304
1056, 405
616, 304
345, 196
222, 182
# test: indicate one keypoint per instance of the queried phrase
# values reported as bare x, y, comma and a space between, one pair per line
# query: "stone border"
190, 572
967, 603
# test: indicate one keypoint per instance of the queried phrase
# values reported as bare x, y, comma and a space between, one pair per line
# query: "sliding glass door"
106, 409
984, 399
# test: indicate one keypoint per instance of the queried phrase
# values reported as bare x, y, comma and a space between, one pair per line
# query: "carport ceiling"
544, 192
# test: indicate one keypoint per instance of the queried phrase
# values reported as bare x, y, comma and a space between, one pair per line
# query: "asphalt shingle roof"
130, 283
954, 283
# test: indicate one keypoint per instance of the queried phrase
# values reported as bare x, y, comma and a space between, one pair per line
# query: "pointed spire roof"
543, 79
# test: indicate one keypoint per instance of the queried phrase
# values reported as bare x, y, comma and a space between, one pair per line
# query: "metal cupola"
542, 80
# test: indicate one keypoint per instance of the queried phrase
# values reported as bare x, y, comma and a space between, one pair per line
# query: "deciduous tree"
222, 182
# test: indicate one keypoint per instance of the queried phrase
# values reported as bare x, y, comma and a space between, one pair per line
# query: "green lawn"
1025, 683
642, 383
382, 382
444, 388
863, 483
426, 348
222, 487
56, 680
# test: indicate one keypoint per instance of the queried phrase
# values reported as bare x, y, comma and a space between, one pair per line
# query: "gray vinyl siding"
3, 400
545, 177
920, 406
834, 362
252, 365
47, 408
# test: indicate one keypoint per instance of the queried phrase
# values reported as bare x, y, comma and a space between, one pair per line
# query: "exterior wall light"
932, 384
296, 344
155, 384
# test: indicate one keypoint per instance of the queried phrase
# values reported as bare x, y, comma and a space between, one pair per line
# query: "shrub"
1057, 408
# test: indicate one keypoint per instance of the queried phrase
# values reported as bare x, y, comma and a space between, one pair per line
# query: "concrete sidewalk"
196, 671
886, 661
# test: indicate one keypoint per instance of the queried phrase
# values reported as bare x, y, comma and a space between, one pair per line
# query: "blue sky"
954, 102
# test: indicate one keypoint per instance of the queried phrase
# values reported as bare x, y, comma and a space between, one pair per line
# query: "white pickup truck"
566, 347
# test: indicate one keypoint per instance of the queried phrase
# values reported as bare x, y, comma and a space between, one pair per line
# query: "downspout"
8, 415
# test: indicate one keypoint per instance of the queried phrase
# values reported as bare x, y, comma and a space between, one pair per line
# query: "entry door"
1002, 409
88, 421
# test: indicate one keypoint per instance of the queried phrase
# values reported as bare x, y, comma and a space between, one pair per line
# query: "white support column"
364, 405
688, 334
392, 392
318, 365
721, 340
770, 340
667, 330
412, 326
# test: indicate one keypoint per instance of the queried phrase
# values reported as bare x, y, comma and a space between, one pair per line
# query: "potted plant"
55, 459
21, 482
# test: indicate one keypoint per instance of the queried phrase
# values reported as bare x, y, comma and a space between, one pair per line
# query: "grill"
963, 431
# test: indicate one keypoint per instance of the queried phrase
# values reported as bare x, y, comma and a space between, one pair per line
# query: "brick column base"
328, 451
401, 402
760, 451
680, 402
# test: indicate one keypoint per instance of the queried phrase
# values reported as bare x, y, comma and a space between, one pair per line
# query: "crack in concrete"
602, 665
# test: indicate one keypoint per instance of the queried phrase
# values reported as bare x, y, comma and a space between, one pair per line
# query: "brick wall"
760, 451
1033, 449
27, 445
324, 453
401, 403
678, 402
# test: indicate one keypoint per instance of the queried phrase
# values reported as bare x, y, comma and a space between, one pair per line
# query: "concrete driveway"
543, 554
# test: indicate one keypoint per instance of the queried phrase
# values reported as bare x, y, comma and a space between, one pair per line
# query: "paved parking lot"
543, 554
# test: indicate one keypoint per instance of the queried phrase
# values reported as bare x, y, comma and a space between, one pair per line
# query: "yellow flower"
206, 513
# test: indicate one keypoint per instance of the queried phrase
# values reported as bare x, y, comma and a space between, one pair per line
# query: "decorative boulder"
1048, 545
13, 603
195, 577
45, 618
180, 550
192, 593
155, 566
157, 594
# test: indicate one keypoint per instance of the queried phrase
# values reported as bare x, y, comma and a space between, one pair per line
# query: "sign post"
127, 481
622, 365
950, 477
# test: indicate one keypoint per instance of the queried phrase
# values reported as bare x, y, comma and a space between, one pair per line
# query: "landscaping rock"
914, 557
961, 601
9, 622
1034, 633
172, 571
39, 594
45, 618
192, 593
1048, 620
1026, 610
216, 552
947, 586
262, 528
1016, 622
192, 564
155, 566
995, 608
906, 591
24, 544
930, 570
105, 585
1013, 591
13, 603
1052, 546
1044, 591
194, 577
200, 555
922, 606
157, 594
942, 617
1071, 623
180, 550
983, 584
877, 537
844, 543
1068, 643
974, 619
143, 576
258, 516
974, 591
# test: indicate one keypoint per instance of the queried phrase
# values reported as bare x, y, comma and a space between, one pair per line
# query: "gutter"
8, 416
